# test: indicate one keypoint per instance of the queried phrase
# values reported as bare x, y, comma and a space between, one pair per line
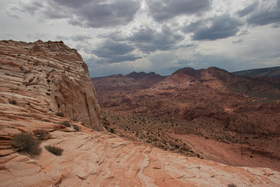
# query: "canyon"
45, 87
208, 113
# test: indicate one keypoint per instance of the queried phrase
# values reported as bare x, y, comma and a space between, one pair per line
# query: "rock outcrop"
99, 159
39, 79
47, 77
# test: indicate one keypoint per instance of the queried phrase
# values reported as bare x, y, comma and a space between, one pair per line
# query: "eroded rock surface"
99, 159
47, 77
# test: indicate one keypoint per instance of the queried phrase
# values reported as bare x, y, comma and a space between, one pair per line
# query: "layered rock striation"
49, 78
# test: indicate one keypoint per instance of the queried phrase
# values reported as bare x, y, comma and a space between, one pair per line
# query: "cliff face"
47, 77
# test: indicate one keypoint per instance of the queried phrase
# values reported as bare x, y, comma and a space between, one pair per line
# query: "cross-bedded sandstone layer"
47, 77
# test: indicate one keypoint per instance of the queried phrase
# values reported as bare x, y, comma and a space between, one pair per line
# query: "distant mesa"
139, 75
271, 72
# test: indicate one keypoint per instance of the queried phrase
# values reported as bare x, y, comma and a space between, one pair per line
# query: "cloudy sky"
120, 36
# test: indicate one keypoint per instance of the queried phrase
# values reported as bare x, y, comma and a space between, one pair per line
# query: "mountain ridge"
269, 72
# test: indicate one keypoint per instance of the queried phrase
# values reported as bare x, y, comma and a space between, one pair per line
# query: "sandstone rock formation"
47, 78
98, 159
29, 102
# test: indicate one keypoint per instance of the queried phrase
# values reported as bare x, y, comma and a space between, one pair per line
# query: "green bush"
25, 142
66, 123
54, 150
76, 127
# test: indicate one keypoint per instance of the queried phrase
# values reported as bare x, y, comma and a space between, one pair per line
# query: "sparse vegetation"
76, 127
75, 119
54, 150
60, 114
111, 130
66, 123
41, 134
13, 102
25, 142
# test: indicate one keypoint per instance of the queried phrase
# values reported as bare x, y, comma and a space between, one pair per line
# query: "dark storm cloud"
149, 40
214, 28
114, 52
263, 13
162, 10
109, 47
265, 16
248, 10
120, 48
88, 13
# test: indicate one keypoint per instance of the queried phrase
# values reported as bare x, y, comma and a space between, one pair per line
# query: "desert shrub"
76, 127
54, 150
231, 185
111, 130
25, 142
41, 134
66, 123
61, 114
13, 102
75, 119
